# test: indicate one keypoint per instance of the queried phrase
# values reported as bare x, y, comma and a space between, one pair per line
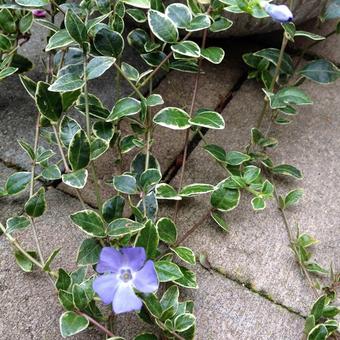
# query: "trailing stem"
187, 132
275, 77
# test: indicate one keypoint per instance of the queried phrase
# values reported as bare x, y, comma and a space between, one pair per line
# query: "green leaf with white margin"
48, 262
113, 208
258, 203
288, 96
167, 271
29, 85
51, 173
88, 252
5, 43
220, 24
90, 222
36, 205
319, 332
165, 191
218, 218
154, 100
213, 54
7, 72
185, 254
98, 65
272, 55
103, 130
251, 173
75, 27
321, 71
149, 239
76, 179
183, 322
309, 35
109, 43
72, 323
98, 147
236, 158
225, 199
17, 223
216, 151
48, 103
288, 170
58, 40
208, 119
187, 48
145, 4
196, 189
126, 184
188, 279
17, 182
149, 178
162, 27
66, 83
124, 107
198, 23
169, 302
130, 72
123, 226
179, 14
79, 151
167, 230
136, 14
293, 197
23, 262
68, 128
172, 118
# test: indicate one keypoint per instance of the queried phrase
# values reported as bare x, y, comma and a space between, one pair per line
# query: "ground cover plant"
132, 259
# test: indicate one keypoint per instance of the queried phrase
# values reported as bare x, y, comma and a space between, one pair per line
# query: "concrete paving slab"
256, 250
226, 310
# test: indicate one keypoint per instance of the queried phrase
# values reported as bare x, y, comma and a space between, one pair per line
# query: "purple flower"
39, 13
123, 271
279, 13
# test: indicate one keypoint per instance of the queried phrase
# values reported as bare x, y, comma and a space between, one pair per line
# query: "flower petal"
146, 280
105, 286
125, 300
110, 260
135, 257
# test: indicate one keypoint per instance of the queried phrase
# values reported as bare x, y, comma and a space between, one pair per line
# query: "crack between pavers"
171, 172
252, 289
10, 165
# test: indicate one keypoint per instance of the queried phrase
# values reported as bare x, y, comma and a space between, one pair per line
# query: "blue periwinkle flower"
123, 272
279, 13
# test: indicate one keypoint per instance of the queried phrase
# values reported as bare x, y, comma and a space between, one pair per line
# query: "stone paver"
225, 310
256, 248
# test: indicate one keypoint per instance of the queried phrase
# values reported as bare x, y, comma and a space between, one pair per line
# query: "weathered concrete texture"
256, 248
29, 307
176, 89
226, 310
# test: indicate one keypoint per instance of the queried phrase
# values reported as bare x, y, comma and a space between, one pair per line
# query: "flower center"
125, 275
